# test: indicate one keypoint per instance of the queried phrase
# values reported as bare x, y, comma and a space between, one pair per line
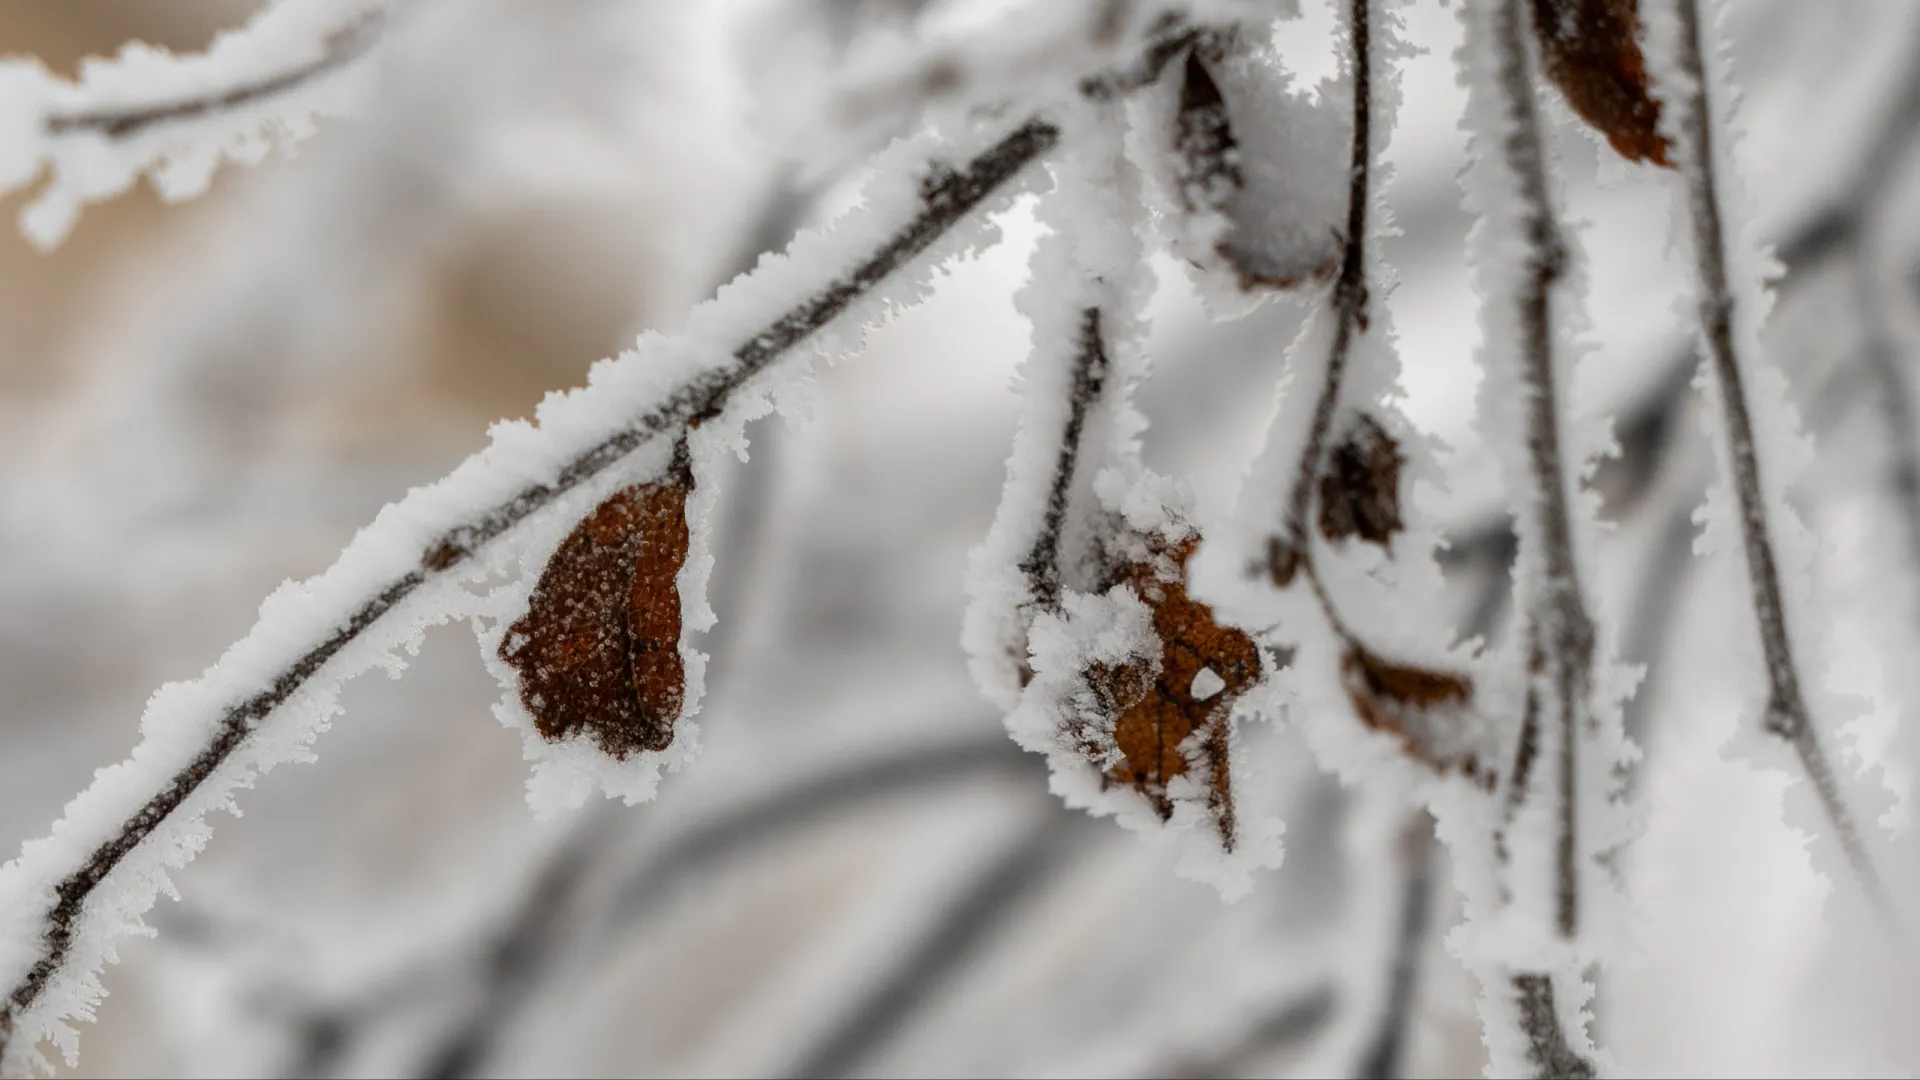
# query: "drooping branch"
948, 196
524, 954
1788, 716
1293, 546
1555, 628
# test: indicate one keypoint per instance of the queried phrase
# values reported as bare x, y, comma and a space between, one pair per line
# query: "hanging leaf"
1426, 709
1251, 168
1203, 136
1591, 51
1360, 486
1177, 722
598, 651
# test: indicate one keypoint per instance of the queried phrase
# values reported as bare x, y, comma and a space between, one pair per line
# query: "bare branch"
957, 937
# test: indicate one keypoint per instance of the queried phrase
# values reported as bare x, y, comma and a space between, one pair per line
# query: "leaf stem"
1090, 367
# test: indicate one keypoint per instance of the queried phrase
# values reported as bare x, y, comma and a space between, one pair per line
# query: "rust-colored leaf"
1204, 668
1360, 486
1591, 52
598, 651
1425, 709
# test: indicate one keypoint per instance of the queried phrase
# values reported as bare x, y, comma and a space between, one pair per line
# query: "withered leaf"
1203, 135
598, 650
1591, 52
1425, 709
1360, 486
1204, 668
1212, 178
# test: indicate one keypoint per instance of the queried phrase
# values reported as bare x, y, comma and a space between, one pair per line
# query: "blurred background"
863, 876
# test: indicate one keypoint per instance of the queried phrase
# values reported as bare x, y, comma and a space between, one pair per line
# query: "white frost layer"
179, 153
183, 717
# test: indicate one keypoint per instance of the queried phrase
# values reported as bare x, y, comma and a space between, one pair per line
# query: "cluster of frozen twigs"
1125, 638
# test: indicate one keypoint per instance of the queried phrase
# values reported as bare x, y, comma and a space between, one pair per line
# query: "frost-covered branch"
1761, 502
1568, 749
176, 117
205, 739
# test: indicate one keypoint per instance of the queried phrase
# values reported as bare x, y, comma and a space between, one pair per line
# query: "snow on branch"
1559, 801
69, 896
176, 117
1757, 433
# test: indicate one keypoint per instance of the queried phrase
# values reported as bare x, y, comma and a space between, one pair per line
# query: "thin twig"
1557, 627
948, 197
1787, 713
1349, 313
342, 47
662, 871
1282, 1025
1386, 1050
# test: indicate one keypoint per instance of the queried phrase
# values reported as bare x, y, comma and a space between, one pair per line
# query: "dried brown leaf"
598, 650
1203, 137
1360, 486
1591, 51
1156, 719
1424, 708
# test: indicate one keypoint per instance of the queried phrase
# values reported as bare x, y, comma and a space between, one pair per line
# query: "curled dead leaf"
1426, 710
598, 650
1360, 485
1173, 719
1203, 136
1213, 174
1590, 50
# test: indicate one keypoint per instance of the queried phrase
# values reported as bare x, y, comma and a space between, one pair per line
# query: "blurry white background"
862, 875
